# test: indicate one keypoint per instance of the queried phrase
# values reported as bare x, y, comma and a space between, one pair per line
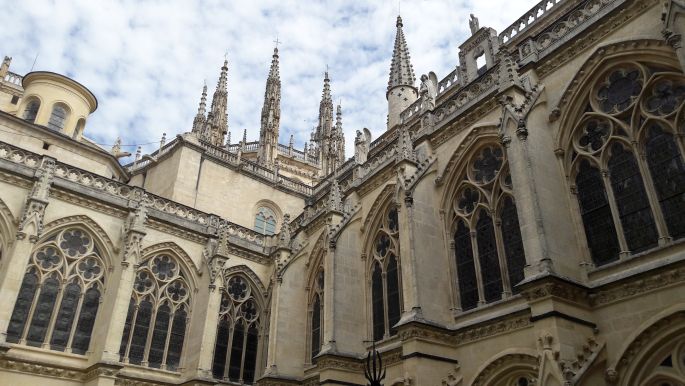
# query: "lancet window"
316, 313
386, 294
158, 313
237, 337
487, 239
626, 161
60, 293
31, 110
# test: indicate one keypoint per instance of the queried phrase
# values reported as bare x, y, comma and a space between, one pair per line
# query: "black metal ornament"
374, 371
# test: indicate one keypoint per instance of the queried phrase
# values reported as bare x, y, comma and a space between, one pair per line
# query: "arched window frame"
628, 124
266, 221
386, 225
161, 280
241, 303
31, 109
59, 115
67, 257
478, 192
316, 291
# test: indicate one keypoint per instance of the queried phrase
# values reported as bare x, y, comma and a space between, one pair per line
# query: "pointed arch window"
31, 110
316, 312
155, 327
57, 117
630, 203
265, 221
237, 340
386, 290
488, 250
60, 294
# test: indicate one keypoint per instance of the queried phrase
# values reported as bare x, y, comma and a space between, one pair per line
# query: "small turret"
271, 115
217, 119
201, 118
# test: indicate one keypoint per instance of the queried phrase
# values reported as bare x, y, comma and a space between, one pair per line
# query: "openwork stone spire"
322, 136
271, 115
217, 120
401, 70
201, 119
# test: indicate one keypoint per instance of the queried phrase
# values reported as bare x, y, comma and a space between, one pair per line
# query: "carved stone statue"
362, 143
474, 24
429, 89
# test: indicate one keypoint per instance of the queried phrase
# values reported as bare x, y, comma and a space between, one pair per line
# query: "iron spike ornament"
374, 371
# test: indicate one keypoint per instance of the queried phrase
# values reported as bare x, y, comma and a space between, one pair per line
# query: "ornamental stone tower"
401, 90
271, 115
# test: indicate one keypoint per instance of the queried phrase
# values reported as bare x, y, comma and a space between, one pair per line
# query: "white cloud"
146, 60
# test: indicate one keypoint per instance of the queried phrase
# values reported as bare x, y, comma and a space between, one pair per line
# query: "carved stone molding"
554, 287
637, 286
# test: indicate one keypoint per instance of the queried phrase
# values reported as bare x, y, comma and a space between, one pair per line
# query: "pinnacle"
401, 70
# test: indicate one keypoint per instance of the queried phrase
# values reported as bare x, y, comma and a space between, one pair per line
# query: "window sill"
134, 370
656, 257
499, 308
48, 357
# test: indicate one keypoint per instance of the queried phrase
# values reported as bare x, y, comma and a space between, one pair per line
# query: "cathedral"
520, 222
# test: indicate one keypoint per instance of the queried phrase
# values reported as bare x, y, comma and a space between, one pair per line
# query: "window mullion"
623, 244
55, 307
150, 332
242, 356
384, 281
453, 265
476, 262
502, 256
74, 322
229, 349
29, 317
132, 330
166, 341
653, 199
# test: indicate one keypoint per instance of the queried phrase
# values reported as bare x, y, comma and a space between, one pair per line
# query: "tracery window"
386, 303
59, 296
31, 110
237, 338
487, 237
155, 327
57, 117
316, 312
265, 221
626, 161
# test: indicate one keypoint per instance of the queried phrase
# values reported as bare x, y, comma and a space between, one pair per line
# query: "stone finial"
162, 141
200, 118
335, 197
139, 152
5, 66
405, 145
244, 137
508, 75
217, 120
285, 236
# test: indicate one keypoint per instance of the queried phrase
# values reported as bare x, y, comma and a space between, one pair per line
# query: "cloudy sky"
146, 61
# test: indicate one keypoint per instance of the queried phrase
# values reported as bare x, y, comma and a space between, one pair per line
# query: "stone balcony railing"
92, 184
14, 79
525, 22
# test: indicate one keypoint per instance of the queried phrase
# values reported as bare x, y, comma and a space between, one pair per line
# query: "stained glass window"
57, 291
316, 326
466, 270
596, 214
386, 292
631, 199
668, 173
487, 256
237, 339
513, 246
377, 302
485, 186
154, 332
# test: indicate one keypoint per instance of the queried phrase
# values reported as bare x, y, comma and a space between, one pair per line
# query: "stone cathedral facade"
521, 222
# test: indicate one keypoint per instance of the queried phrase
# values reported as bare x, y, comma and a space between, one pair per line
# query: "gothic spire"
217, 120
271, 114
200, 117
323, 130
401, 70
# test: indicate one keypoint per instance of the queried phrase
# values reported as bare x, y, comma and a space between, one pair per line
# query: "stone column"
673, 18
115, 308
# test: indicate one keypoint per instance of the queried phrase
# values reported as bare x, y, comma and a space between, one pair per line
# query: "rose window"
75, 242
619, 90
487, 164
163, 267
237, 288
